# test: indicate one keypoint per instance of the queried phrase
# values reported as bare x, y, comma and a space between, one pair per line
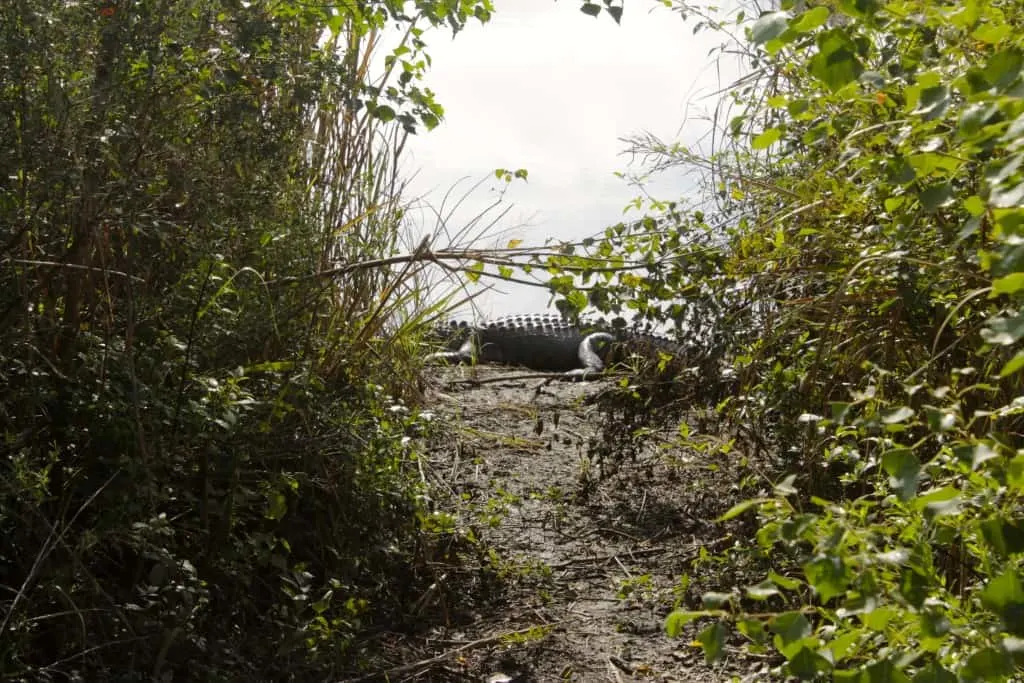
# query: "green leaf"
1004, 595
1004, 67
785, 487
736, 125
1006, 536
1013, 365
969, 228
335, 22
766, 139
940, 420
976, 116
935, 197
799, 106
753, 629
807, 664
861, 9
878, 618
790, 627
992, 33
893, 203
277, 505
769, 27
1002, 171
935, 623
976, 454
321, 605
1015, 471
775, 45
901, 171
933, 103
928, 162
784, 581
903, 468
1004, 331
987, 664
577, 299
939, 502
842, 645
676, 620
914, 586
884, 671
762, 591
974, 205
473, 271
827, 575
967, 16
739, 508
430, 121
590, 9
1007, 195
933, 672
836, 62
901, 414
1014, 135
811, 19
384, 113
712, 639
840, 409
1010, 222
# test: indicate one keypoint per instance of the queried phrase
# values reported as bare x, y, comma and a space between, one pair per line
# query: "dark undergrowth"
207, 470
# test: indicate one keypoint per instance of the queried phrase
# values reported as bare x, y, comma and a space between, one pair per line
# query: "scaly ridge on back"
544, 341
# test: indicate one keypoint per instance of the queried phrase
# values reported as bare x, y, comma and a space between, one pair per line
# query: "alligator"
546, 342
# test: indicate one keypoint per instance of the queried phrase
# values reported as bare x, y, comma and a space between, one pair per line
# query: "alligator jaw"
465, 354
592, 361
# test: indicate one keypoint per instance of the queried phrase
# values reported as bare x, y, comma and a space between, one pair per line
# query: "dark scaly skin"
542, 342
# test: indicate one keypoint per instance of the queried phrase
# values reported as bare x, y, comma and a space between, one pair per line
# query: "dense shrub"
858, 266
202, 474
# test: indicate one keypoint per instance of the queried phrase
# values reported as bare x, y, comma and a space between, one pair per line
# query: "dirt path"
580, 570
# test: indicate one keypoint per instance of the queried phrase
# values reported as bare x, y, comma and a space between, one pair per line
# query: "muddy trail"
561, 549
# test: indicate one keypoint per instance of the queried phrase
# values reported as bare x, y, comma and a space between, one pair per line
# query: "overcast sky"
546, 88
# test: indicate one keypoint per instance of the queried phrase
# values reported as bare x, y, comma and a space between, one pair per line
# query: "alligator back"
539, 341
547, 342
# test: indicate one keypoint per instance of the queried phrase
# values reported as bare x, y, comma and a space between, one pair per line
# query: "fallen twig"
610, 556
417, 667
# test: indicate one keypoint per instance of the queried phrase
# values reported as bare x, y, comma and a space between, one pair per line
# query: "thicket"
861, 268
204, 455
204, 465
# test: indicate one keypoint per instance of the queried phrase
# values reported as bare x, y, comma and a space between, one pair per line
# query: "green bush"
203, 475
881, 203
857, 263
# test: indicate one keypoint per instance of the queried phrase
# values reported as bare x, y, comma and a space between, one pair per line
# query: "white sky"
546, 88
